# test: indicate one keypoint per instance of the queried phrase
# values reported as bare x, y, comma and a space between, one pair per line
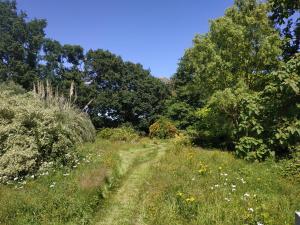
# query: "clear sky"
154, 33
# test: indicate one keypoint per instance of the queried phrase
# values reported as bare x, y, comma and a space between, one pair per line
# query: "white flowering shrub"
33, 133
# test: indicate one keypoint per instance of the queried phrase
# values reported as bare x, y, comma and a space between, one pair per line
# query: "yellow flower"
191, 199
179, 194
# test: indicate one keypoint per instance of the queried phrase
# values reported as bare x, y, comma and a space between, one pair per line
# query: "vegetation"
212, 187
64, 195
127, 134
236, 89
112, 91
36, 133
162, 129
233, 91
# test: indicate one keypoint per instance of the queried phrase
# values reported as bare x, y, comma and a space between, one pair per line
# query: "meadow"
200, 186
150, 181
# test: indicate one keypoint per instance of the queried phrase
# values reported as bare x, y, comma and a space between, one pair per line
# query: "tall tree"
122, 91
20, 44
240, 45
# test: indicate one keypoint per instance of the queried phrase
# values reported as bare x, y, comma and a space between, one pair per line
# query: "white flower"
52, 185
16, 178
227, 199
250, 209
193, 178
246, 195
259, 223
233, 186
66, 174
233, 189
217, 185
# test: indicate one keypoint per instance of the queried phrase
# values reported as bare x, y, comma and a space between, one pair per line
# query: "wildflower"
53, 185
179, 194
233, 186
66, 174
220, 168
32, 176
250, 209
212, 188
16, 178
233, 189
246, 195
193, 178
259, 223
217, 185
191, 199
227, 199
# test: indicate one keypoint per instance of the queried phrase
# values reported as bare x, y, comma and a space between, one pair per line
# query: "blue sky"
154, 33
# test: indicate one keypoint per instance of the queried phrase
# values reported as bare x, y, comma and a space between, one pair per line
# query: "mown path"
123, 207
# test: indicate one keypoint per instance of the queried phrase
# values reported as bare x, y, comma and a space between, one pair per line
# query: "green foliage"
20, 43
163, 129
251, 149
181, 113
112, 91
233, 83
34, 134
123, 92
124, 133
240, 45
285, 14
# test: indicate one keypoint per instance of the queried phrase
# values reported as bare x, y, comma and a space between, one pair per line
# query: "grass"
153, 183
62, 195
196, 186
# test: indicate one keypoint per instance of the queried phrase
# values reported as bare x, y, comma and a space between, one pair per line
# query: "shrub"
124, 133
34, 133
182, 139
163, 129
252, 149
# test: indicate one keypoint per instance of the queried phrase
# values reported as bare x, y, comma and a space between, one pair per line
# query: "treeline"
238, 87
111, 90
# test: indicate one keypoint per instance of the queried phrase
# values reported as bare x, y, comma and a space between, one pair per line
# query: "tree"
240, 45
20, 44
122, 91
285, 14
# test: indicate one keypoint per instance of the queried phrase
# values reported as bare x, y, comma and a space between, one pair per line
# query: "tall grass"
194, 186
64, 195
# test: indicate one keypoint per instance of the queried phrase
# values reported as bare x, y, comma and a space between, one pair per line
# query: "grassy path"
123, 207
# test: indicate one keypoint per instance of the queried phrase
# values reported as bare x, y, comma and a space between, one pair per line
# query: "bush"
119, 134
252, 149
182, 139
163, 129
34, 133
